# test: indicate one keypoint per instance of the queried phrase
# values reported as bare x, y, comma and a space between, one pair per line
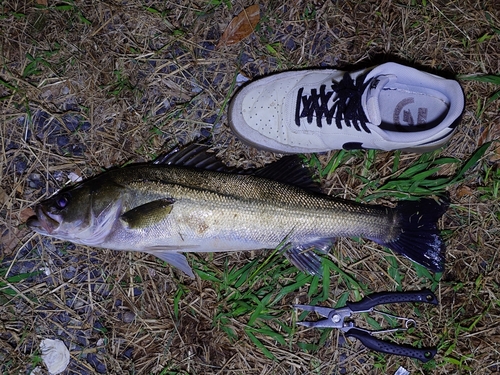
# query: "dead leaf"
26, 214
495, 158
11, 240
491, 133
241, 26
5, 199
464, 191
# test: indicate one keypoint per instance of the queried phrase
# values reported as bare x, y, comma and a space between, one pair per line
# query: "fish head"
82, 214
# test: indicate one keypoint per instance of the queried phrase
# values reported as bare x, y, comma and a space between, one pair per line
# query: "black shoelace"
346, 106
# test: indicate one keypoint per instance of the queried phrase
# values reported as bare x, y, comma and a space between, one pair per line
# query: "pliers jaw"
334, 318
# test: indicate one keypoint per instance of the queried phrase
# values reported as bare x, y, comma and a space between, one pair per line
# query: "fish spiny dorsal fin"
194, 155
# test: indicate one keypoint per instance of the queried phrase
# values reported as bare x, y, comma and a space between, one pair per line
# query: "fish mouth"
42, 222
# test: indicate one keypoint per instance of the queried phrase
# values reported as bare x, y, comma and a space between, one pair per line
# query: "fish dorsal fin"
194, 155
147, 214
174, 259
290, 170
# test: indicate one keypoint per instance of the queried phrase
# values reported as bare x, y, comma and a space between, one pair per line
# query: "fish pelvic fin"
419, 239
174, 259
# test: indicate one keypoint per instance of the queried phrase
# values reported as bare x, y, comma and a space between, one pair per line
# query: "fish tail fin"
419, 239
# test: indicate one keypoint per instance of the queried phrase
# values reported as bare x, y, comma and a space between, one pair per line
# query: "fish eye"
62, 201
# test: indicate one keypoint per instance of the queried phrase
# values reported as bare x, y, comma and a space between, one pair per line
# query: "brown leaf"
5, 199
241, 26
491, 132
495, 158
464, 191
11, 240
26, 214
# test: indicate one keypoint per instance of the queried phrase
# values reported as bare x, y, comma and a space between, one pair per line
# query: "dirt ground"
90, 85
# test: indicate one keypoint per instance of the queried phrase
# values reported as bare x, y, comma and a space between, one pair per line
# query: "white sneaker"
388, 107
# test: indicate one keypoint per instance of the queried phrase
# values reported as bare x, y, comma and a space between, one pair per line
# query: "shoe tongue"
370, 98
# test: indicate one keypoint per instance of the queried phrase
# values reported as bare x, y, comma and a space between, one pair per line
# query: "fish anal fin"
147, 214
305, 259
175, 259
323, 245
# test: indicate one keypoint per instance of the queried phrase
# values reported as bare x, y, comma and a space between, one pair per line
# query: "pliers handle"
335, 318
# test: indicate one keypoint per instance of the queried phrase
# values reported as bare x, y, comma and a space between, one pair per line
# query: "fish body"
165, 210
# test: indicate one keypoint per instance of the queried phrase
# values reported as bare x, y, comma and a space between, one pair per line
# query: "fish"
189, 201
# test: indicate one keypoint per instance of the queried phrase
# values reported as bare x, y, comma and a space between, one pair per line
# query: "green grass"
10, 286
490, 189
421, 178
485, 78
253, 293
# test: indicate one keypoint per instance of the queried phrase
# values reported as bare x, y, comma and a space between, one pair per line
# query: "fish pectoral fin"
147, 214
174, 259
305, 259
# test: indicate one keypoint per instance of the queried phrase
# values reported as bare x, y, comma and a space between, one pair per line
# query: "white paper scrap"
402, 371
241, 79
55, 355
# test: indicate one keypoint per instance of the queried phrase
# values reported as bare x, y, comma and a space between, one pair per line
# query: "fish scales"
230, 205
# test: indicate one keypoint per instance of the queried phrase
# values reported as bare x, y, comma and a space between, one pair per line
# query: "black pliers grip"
335, 318
382, 298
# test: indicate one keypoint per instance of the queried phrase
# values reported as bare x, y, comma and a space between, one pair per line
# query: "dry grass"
89, 85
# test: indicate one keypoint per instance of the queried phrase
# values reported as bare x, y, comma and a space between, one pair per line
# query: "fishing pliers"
336, 318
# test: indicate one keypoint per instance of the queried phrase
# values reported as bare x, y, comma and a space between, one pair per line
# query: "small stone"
128, 317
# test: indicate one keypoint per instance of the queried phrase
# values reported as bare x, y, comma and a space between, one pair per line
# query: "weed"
423, 3
309, 13
122, 84
422, 177
251, 292
70, 7
8, 288
212, 6
33, 67
486, 78
490, 191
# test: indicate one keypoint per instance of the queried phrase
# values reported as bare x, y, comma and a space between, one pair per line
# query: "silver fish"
189, 202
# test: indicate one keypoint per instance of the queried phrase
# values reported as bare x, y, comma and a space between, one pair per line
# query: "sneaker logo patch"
407, 117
